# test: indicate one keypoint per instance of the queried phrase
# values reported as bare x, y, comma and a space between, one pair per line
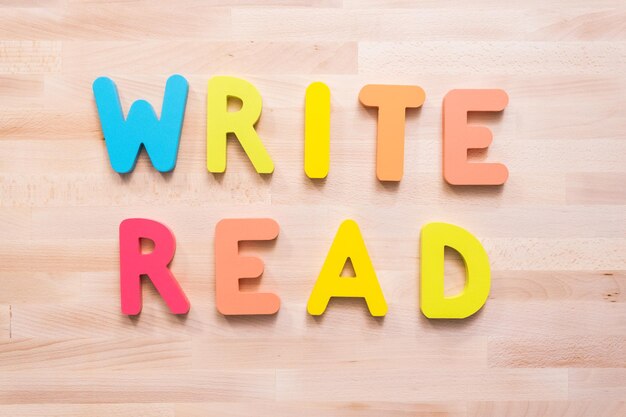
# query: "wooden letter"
458, 137
221, 122
230, 267
134, 264
348, 244
392, 102
317, 130
435, 237
124, 138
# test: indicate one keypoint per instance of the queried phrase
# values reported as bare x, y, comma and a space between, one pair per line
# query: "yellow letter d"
435, 237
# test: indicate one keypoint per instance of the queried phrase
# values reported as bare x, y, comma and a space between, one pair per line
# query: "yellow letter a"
348, 244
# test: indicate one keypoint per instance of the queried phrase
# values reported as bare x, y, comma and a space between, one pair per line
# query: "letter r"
134, 264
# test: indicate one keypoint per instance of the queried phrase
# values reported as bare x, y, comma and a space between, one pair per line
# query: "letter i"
317, 130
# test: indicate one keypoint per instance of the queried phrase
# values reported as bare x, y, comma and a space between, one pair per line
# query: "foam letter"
317, 130
435, 237
124, 138
392, 102
348, 244
458, 137
221, 122
230, 267
134, 264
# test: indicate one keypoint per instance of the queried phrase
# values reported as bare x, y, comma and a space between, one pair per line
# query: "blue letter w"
142, 127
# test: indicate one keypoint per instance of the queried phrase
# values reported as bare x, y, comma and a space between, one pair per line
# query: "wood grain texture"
551, 340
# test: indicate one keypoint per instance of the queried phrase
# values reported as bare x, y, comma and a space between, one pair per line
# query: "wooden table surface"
551, 340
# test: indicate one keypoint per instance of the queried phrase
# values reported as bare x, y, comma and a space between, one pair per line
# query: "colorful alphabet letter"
124, 138
221, 122
317, 130
434, 238
134, 264
348, 244
230, 267
458, 137
392, 102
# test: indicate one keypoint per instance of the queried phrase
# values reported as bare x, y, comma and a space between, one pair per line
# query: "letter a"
348, 244
435, 237
124, 138
134, 264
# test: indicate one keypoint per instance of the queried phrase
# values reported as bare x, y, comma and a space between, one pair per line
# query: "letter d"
435, 237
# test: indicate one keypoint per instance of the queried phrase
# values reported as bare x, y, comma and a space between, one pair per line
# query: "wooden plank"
548, 343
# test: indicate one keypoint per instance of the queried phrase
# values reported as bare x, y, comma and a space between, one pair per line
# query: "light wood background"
551, 340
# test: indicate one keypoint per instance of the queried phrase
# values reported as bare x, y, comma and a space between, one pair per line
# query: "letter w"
124, 138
